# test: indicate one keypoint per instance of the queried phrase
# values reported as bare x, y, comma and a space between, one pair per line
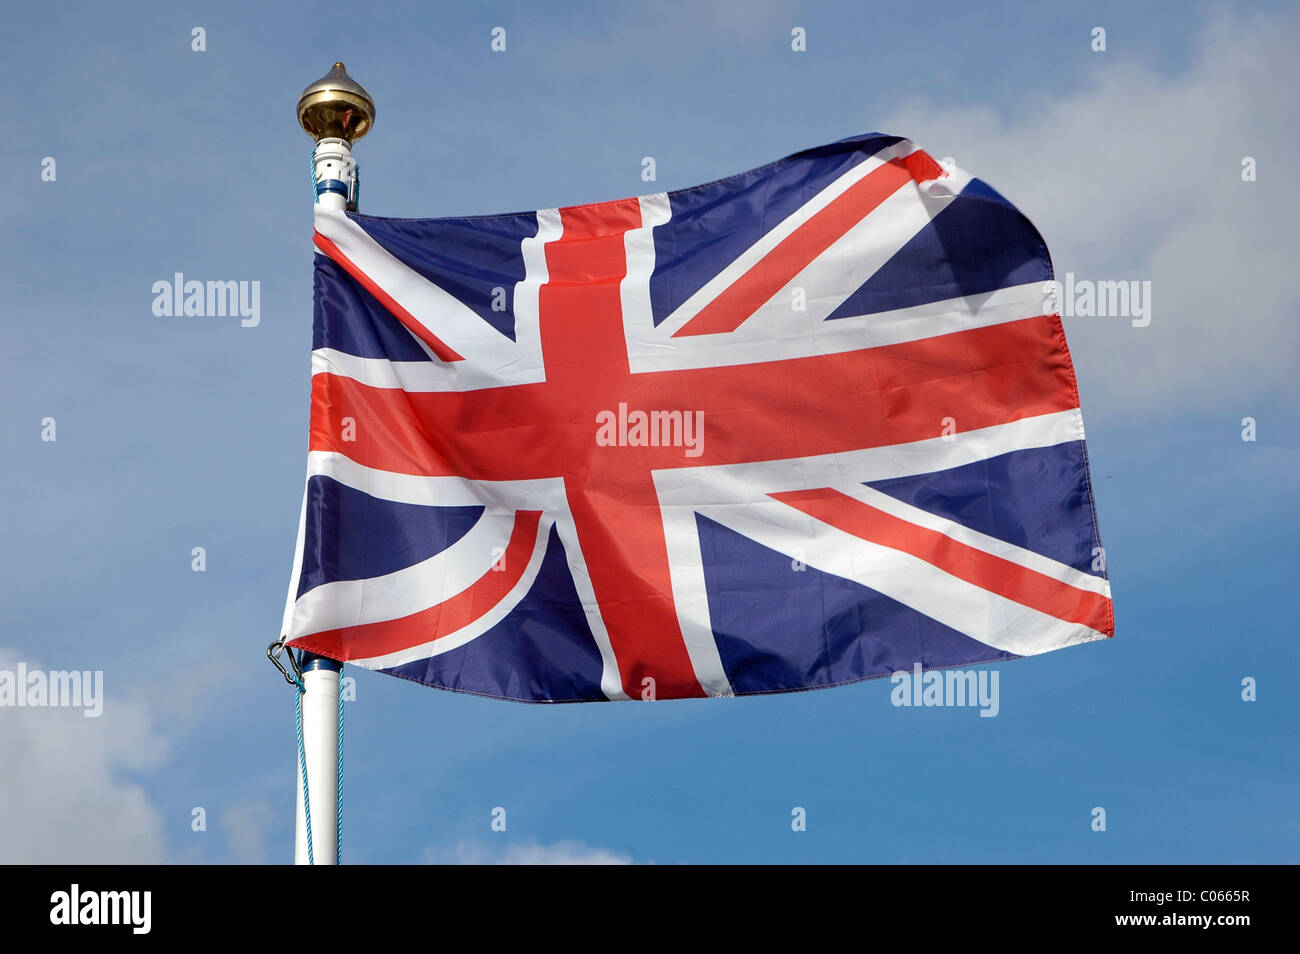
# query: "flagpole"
320, 740
336, 112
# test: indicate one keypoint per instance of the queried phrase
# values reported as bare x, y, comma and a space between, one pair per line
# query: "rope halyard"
302, 762
338, 844
311, 172
293, 676
352, 196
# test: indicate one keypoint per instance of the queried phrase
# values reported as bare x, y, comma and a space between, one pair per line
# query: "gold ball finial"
336, 107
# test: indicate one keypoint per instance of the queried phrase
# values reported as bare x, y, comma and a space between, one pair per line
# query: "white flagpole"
320, 739
336, 112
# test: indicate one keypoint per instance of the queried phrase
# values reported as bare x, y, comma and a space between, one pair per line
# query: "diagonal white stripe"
736, 488
847, 264
775, 236
742, 483
413, 376
504, 496
490, 358
979, 613
691, 598
973, 538
547, 495
479, 626
611, 681
777, 330
410, 589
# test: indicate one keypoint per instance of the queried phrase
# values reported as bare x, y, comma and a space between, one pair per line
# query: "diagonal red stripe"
1010, 580
436, 345
377, 639
796, 252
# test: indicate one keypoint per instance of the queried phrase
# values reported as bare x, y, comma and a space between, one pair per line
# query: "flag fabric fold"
799, 427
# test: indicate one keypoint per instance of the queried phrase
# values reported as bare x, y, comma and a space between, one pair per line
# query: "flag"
799, 427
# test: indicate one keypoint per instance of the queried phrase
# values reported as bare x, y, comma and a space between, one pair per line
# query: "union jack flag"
791, 429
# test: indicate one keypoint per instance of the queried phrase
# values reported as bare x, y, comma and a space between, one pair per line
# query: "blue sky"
176, 434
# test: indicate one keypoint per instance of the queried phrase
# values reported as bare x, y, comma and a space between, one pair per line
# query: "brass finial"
336, 107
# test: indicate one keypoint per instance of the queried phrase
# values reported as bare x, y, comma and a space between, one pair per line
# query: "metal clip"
273, 653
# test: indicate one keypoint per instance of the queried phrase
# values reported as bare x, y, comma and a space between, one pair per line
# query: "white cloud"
1138, 176
526, 853
66, 796
248, 828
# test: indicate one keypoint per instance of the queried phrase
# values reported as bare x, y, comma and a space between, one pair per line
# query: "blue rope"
302, 762
311, 172
338, 845
355, 198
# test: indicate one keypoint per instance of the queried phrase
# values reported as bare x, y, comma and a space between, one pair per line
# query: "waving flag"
795, 428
